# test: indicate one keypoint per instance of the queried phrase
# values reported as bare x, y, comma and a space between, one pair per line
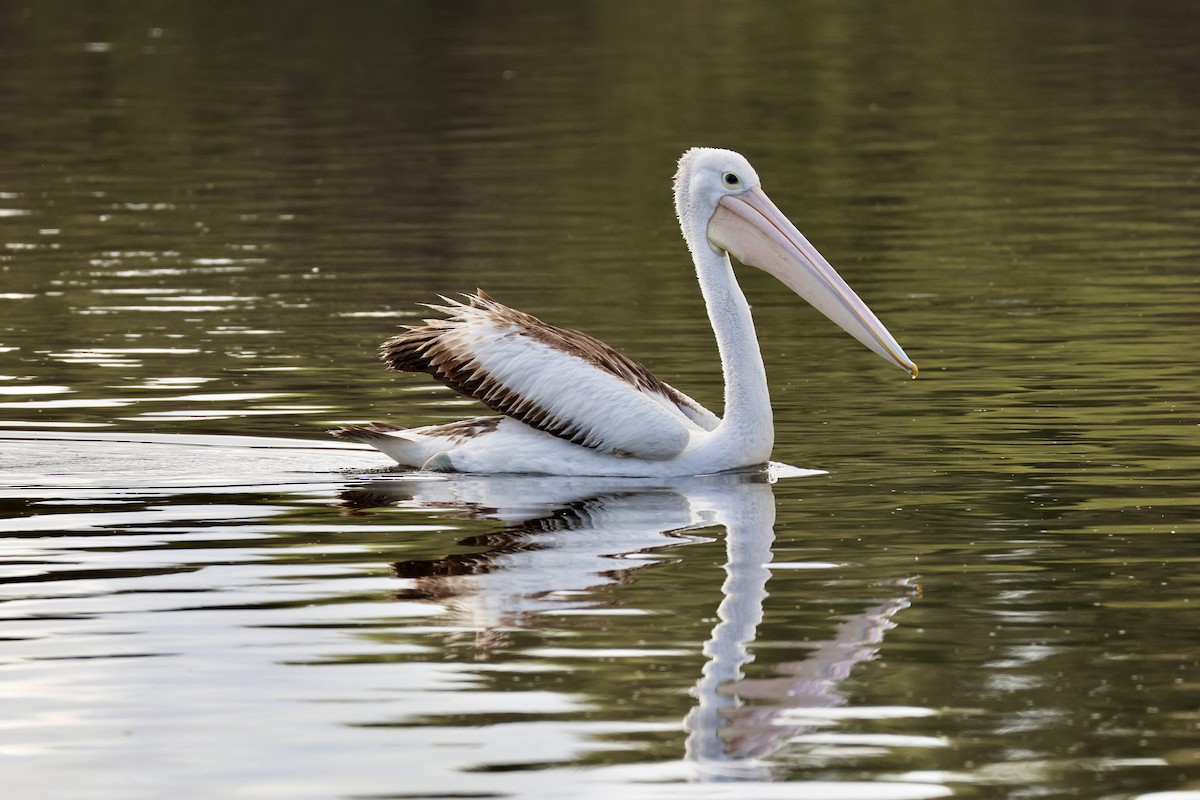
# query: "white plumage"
572, 405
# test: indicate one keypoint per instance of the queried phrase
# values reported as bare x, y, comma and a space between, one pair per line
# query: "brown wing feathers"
434, 348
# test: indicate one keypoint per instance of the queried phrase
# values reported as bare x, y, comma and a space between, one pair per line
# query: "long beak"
749, 226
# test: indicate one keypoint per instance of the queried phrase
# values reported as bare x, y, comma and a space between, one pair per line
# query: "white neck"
747, 403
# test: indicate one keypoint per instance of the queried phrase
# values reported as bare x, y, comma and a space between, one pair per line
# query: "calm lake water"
211, 214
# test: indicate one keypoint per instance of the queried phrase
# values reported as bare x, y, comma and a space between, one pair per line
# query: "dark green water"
212, 213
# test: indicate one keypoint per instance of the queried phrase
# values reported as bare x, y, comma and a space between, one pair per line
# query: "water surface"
211, 216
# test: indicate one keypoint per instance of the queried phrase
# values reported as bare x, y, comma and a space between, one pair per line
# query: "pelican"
572, 405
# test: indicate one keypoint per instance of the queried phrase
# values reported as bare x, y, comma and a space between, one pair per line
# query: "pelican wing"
563, 382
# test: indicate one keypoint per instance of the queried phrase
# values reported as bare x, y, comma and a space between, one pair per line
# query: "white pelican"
572, 405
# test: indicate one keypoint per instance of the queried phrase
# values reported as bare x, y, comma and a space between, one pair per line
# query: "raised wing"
563, 382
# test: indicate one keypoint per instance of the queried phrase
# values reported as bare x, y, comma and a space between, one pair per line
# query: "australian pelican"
572, 405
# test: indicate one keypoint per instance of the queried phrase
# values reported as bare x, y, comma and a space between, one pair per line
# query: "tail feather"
409, 450
366, 434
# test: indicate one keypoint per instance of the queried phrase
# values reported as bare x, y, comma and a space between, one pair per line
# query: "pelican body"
572, 405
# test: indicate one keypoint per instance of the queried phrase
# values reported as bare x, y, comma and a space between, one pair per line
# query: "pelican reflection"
562, 538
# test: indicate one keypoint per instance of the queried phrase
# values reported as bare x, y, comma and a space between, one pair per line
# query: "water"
211, 215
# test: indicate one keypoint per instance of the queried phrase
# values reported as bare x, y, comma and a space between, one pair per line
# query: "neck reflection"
563, 538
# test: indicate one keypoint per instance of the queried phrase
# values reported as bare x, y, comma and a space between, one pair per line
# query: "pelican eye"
731, 180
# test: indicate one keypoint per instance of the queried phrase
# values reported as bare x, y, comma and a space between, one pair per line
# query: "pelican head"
719, 200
